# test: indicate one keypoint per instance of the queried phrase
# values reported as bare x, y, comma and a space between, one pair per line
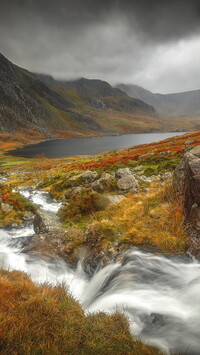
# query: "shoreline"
104, 151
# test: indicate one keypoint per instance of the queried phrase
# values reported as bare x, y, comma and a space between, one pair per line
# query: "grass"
151, 219
43, 320
39, 320
17, 206
145, 219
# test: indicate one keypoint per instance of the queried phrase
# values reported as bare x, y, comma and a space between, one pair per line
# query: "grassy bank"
44, 320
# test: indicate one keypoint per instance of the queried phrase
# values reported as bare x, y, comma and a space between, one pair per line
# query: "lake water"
83, 146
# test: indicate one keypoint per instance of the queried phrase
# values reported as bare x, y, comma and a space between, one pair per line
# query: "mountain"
183, 104
41, 103
100, 94
37, 104
27, 103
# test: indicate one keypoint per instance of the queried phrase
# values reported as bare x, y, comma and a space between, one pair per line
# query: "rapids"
159, 295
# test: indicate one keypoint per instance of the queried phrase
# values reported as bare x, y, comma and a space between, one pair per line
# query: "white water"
160, 296
41, 198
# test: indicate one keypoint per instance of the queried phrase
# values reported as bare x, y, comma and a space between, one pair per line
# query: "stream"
159, 295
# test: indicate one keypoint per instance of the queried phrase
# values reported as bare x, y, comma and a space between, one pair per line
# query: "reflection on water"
84, 146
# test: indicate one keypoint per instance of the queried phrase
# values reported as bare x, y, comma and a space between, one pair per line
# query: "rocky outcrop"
86, 177
187, 184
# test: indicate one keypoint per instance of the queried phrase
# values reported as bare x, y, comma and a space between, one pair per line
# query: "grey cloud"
114, 40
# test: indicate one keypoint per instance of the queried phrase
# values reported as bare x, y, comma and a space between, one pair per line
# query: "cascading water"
159, 295
41, 198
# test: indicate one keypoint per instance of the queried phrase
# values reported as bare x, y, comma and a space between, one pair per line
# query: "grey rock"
128, 183
122, 172
28, 216
186, 181
97, 186
87, 176
6, 207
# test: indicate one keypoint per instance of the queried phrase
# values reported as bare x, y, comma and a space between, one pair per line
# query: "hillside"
31, 102
183, 104
100, 94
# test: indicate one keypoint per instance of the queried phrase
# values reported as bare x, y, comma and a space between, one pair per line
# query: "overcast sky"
151, 43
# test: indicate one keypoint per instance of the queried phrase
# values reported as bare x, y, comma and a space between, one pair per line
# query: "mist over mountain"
185, 104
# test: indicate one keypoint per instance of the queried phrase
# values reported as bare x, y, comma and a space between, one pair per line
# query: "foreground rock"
187, 184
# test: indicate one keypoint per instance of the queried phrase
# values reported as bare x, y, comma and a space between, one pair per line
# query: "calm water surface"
83, 146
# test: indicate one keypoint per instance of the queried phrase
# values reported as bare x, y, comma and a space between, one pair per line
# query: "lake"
57, 148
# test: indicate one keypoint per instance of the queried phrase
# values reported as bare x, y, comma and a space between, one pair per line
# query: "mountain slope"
26, 102
176, 104
40, 103
100, 94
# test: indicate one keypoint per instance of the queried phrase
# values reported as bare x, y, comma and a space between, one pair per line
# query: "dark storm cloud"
155, 19
116, 40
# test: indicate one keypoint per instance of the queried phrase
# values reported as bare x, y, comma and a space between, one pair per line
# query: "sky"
151, 43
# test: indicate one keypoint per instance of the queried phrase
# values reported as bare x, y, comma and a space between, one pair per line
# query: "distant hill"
183, 104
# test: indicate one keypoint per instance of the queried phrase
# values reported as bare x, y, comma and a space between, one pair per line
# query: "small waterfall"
159, 295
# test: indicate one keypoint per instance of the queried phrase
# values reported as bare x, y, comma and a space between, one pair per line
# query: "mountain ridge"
34, 103
53, 108
186, 103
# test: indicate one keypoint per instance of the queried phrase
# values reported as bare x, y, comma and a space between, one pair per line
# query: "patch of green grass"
159, 165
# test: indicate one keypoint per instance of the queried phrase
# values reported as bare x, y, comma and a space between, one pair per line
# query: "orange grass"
44, 320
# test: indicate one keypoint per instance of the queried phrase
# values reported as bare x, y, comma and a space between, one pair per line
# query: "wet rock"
29, 216
186, 181
39, 225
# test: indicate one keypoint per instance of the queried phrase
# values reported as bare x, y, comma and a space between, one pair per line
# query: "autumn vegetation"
44, 319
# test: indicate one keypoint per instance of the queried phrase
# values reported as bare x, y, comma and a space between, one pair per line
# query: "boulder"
186, 180
123, 172
105, 200
128, 183
104, 183
97, 186
86, 177
39, 225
